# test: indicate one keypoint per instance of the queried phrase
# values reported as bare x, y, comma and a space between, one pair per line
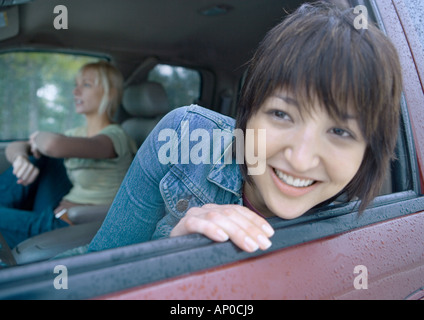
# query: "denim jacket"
182, 164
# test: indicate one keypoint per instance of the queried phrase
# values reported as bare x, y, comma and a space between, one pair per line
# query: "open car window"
39, 86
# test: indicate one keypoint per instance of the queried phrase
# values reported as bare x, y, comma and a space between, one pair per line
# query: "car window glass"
182, 85
36, 92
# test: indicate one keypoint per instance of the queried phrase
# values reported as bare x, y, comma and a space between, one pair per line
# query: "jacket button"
182, 205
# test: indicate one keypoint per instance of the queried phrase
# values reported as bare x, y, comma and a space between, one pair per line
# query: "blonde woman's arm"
17, 154
60, 146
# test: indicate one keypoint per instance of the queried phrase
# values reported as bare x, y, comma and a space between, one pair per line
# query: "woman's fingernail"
268, 230
222, 235
264, 241
252, 245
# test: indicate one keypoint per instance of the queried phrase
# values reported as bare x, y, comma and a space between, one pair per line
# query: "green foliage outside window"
182, 85
36, 93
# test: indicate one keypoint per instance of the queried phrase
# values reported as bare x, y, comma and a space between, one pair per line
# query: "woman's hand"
244, 227
24, 170
34, 148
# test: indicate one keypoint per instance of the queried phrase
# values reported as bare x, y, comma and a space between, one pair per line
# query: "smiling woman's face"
88, 93
310, 157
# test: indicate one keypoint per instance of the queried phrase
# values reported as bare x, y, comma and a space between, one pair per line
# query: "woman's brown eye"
281, 114
341, 132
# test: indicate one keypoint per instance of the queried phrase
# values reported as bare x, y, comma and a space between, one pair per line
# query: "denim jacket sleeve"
155, 195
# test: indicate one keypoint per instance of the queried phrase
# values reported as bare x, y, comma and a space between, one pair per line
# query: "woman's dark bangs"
320, 68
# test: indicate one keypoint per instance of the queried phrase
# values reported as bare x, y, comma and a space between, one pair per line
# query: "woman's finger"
256, 219
223, 222
241, 230
254, 225
195, 224
26, 172
32, 175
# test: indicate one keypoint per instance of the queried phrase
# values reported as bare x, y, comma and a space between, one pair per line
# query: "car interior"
144, 104
214, 38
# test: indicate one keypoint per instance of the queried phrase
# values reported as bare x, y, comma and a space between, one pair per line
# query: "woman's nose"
76, 90
303, 152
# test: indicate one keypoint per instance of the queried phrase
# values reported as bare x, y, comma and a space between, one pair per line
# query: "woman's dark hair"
317, 53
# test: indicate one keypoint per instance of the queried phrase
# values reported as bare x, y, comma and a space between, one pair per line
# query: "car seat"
146, 104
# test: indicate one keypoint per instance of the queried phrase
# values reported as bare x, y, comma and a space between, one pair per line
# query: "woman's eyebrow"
345, 117
348, 116
287, 100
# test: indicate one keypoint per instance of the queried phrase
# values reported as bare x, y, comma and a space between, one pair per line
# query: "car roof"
220, 35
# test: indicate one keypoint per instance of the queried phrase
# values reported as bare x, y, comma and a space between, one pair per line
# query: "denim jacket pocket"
179, 195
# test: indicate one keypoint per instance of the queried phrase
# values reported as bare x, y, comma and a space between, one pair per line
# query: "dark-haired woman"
318, 112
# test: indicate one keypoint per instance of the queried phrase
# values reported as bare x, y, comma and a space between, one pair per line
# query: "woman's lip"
291, 190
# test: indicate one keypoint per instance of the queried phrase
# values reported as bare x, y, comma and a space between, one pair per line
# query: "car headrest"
147, 99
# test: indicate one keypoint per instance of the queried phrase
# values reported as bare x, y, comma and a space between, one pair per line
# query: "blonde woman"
38, 189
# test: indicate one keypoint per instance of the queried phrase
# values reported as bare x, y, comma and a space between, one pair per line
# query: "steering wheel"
6, 256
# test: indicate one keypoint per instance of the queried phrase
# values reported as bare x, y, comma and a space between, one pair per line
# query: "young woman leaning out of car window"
39, 187
321, 98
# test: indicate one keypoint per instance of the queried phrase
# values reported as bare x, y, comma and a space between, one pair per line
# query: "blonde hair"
111, 79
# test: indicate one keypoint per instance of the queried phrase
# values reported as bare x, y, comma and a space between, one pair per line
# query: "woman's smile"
293, 181
291, 185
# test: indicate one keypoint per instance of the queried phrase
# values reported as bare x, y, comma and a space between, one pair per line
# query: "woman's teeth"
292, 181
